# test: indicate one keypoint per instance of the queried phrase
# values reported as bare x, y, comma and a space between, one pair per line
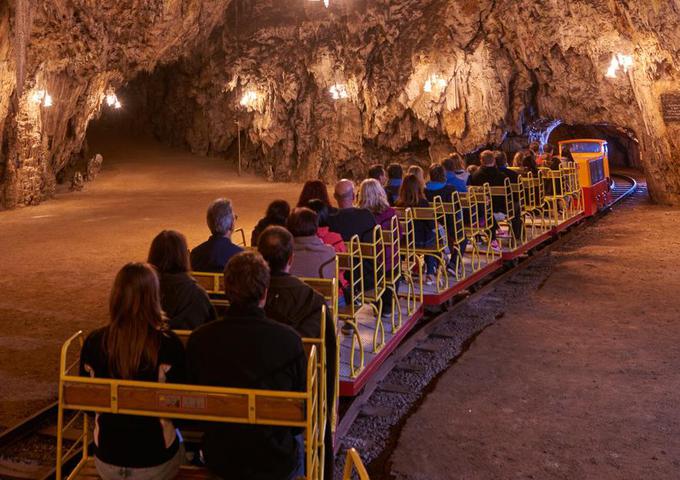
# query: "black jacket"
495, 178
185, 303
293, 302
248, 350
213, 254
353, 221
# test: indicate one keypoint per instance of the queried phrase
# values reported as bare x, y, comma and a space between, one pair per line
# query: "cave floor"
58, 259
579, 380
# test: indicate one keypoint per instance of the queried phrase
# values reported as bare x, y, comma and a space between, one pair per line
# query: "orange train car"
592, 160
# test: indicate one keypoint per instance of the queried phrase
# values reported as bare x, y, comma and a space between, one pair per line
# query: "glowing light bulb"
249, 98
38, 96
626, 61
326, 3
117, 104
111, 99
47, 101
433, 81
338, 91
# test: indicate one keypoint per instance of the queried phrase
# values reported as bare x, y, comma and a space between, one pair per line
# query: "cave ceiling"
321, 91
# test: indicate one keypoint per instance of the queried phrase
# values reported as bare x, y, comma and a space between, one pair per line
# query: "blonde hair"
372, 196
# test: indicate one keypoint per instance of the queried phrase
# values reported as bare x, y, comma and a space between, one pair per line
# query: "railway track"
28, 449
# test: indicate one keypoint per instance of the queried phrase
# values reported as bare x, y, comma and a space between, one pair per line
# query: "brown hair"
133, 338
169, 252
437, 173
313, 189
246, 279
376, 171
501, 158
276, 247
411, 192
303, 222
487, 158
453, 162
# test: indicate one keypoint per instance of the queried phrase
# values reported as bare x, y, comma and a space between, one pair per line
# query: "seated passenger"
315, 189
517, 159
418, 172
529, 163
372, 197
489, 173
277, 214
412, 195
184, 302
394, 176
312, 257
377, 172
502, 164
249, 350
456, 175
349, 220
293, 302
213, 254
323, 232
437, 186
135, 345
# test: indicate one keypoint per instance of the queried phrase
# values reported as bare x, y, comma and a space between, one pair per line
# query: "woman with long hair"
277, 214
315, 189
373, 198
185, 303
412, 195
418, 172
135, 345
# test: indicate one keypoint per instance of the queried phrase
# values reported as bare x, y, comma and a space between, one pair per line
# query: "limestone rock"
94, 166
418, 79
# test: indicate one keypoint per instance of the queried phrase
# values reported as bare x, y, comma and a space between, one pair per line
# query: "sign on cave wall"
670, 105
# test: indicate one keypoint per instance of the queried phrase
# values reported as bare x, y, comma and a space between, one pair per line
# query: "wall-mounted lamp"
326, 3
619, 60
112, 101
338, 91
42, 97
249, 99
434, 81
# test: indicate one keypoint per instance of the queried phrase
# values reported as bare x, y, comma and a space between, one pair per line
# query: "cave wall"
76, 50
507, 64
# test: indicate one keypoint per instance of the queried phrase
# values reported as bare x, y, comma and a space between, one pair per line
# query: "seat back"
373, 253
434, 212
392, 242
213, 284
190, 402
481, 195
453, 208
351, 262
504, 194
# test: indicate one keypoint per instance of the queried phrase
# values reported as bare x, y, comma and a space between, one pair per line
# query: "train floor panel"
436, 296
535, 237
372, 360
565, 224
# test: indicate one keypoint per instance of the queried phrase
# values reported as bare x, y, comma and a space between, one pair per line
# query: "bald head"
344, 193
487, 158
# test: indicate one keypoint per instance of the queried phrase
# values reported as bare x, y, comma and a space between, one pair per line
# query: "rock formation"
323, 92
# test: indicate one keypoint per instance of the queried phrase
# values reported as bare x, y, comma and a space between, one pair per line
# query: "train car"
592, 159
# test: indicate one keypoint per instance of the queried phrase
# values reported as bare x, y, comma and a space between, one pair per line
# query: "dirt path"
581, 380
58, 259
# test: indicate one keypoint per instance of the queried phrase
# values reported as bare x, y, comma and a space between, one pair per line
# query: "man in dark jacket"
349, 220
249, 350
213, 254
489, 173
502, 164
293, 302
